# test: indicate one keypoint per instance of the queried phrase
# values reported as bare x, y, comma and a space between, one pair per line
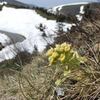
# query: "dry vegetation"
29, 84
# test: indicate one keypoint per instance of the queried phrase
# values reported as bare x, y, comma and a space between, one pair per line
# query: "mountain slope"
16, 3
71, 10
65, 9
87, 32
38, 31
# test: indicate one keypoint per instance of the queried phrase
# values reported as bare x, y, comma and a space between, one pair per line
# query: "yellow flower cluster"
63, 53
58, 53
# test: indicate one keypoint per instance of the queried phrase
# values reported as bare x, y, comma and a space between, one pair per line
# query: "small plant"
67, 59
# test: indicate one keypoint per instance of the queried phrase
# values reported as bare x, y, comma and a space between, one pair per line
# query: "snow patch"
82, 10
80, 15
4, 40
3, 3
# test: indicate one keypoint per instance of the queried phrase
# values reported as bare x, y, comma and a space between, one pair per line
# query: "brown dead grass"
29, 84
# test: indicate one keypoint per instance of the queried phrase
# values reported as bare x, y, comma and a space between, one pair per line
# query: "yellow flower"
58, 46
63, 44
60, 49
62, 57
55, 55
49, 52
67, 48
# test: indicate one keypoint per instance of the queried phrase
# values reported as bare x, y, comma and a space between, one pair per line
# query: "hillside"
88, 29
16, 4
30, 24
73, 8
26, 72
42, 28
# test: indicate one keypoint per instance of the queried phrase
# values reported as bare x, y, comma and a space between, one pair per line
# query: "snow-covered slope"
26, 22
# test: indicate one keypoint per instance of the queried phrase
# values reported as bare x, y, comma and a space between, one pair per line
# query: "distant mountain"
16, 3
69, 9
72, 8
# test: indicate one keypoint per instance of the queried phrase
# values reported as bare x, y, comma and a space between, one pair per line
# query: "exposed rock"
1, 46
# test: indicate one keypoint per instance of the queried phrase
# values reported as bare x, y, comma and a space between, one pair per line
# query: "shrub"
61, 18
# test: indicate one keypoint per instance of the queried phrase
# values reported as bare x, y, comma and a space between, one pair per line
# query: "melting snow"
4, 39
25, 22
82, 10
80, 15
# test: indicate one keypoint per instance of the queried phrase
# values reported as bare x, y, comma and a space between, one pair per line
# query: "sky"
51, 3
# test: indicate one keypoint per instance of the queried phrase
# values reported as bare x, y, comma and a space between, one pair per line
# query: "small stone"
60, 91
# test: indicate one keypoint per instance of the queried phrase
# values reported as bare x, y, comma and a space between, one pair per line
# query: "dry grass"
29, 84
36, 81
